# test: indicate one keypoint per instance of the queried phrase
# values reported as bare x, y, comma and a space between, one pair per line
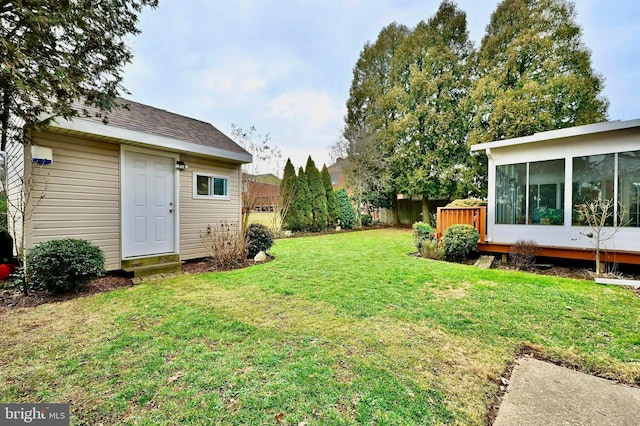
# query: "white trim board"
92, 128
588, 129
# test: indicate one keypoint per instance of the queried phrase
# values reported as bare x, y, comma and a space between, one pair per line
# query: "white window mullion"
615, 190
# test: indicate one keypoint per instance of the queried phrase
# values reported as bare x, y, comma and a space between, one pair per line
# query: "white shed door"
148, 224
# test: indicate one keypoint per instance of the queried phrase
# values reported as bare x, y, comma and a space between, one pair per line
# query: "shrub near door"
60, 266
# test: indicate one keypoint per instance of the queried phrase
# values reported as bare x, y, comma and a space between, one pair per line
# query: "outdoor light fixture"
41, 155
181, 166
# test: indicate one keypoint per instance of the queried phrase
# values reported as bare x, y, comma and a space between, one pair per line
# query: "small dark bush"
259, 237
421, 233
366, 220
523, 254
61, 266
460, 241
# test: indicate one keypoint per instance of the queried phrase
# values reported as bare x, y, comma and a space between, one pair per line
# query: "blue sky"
285, 67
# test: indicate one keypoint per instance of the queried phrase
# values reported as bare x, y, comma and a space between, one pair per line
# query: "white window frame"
210, 176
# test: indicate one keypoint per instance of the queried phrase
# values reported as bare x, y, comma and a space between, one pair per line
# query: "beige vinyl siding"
196, 214
81, 189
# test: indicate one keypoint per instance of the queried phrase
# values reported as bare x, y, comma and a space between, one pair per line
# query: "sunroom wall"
562, 235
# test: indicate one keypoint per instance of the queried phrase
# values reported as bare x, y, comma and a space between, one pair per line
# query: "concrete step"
153, 265
161, 268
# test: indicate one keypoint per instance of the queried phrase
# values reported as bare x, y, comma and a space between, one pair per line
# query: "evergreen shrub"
460, 241
421, 233
347, 213
61, 266
259, 237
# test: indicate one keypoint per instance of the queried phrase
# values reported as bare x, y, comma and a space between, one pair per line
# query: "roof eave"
93, 128
559, 134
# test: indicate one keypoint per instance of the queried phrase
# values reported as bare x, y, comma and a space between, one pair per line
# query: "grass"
338, 329
269, 219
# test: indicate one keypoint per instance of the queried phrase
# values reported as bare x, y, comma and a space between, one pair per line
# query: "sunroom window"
629, 188
511, 184
544, 197
593, 179
546, 192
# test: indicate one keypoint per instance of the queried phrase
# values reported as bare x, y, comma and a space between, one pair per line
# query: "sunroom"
537, 183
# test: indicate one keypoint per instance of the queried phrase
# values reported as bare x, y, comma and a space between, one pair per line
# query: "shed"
142, 187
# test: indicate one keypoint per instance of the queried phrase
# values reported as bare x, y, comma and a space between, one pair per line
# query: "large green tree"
53, 53
371, 107
432, 75
534, 73
318, 196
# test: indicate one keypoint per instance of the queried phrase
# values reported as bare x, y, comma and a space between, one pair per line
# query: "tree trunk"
426, 210
395, 216
4, 119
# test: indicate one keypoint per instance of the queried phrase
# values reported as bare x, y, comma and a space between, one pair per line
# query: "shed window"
210, 186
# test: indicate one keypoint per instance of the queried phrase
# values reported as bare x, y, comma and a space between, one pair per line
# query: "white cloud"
313, 110
238, 78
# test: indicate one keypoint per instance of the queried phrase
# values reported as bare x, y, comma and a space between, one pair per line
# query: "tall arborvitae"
318, 196
333, 211
287, 193
300, 217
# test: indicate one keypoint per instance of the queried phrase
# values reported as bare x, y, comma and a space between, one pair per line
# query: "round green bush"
259, 238
460, 241
61, 266
467, 202
366, 220
422, 232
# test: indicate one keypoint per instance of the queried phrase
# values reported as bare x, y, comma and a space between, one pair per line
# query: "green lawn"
338, 329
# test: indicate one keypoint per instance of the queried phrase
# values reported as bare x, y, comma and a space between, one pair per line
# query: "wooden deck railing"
474, 216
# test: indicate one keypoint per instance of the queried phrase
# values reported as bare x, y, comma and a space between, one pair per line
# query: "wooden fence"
474, 216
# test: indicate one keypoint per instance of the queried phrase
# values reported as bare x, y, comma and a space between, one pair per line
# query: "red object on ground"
5, 270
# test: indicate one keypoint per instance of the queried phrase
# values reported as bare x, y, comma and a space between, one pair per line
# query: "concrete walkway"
541, 393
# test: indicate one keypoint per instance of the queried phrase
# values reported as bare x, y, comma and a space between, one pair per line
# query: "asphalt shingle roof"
147, 119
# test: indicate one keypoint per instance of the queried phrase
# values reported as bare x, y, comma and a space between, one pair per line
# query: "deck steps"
153, 265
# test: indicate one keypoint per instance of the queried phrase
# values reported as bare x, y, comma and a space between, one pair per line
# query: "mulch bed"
12, 298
